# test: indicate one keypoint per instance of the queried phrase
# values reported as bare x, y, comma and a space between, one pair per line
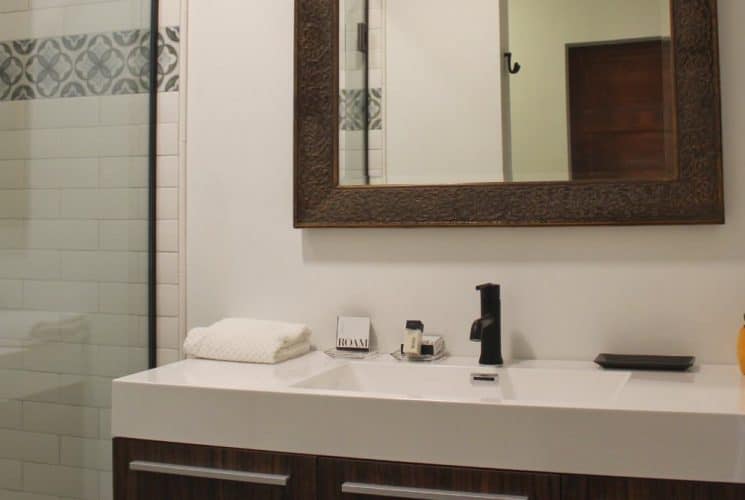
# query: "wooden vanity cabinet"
361, 479
618, 488
148, 470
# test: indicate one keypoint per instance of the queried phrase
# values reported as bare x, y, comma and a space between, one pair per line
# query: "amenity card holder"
353, 334
352, 338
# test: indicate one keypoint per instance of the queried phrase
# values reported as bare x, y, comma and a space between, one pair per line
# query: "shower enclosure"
77, 234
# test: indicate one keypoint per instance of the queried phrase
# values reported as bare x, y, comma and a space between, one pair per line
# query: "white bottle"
412, 345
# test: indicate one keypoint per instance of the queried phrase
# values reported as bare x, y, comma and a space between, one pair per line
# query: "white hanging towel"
248, 341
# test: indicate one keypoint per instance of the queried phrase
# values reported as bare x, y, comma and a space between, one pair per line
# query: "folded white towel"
249, 341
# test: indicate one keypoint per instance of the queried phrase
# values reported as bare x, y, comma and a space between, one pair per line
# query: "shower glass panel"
76, 240
353, 92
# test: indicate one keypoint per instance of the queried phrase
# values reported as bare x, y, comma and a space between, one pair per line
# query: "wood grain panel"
334, 472
130, 485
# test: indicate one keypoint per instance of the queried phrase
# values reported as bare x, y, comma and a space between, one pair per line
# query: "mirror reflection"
471, 91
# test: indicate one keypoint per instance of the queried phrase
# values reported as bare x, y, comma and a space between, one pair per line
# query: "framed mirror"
507, 113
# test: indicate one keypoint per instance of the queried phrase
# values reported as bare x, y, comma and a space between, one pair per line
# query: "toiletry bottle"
741, 349
413, 338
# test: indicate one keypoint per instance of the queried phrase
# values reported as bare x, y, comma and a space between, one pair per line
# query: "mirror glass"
472, 91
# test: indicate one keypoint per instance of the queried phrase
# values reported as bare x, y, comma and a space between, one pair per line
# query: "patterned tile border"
87, 65
352, 109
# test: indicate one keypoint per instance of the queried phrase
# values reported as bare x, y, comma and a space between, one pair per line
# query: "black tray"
642, 362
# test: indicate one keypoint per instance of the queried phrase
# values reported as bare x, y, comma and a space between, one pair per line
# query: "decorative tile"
352, 109
87, 65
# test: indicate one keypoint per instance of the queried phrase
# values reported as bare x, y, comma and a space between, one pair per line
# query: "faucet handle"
476, 330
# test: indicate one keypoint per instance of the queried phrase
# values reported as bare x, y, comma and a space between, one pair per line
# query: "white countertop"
662, 425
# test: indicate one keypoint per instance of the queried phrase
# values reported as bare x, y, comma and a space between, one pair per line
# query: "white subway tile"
29, 446
85, 390
58, 357
86, 453
168, 334
61, 480
167, 200
60, 296
11, 294
57, 113
13, 114
28, 204
168, 171
62, 234
75, 142
10, 414
167, 235
109, 361
167, 268
122, 267
48, 234
168, 105
46, 4
167, 139
129, 235
122, 141
104, 204
123, 298
167, 356
60, 419
133, 109
12, 234
13, 5
170, 12
106, 485
118, 330
11, 358
168, 300
26, 385
124, 172
13, 174
10, 473
104, 423
22, 495
102, 17
62, 173
27, 24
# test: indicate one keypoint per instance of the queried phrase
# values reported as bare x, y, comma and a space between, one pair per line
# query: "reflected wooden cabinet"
147, 470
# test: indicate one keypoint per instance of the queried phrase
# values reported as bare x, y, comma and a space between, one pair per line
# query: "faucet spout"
488, 328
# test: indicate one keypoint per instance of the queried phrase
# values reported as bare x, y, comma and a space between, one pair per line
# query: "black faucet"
488, 328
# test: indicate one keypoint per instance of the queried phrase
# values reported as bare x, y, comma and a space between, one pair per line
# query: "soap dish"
421, 358
341, 354
643, 362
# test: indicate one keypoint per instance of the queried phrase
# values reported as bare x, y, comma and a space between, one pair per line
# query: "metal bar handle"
419, 493
210, 473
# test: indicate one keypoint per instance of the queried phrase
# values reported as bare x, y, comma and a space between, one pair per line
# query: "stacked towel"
248, 341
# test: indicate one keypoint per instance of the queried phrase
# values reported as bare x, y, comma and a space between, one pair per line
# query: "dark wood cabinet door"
612, 488
621, 110
367, 480
147, 470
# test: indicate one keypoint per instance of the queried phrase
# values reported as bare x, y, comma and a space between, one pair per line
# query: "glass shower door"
75, 245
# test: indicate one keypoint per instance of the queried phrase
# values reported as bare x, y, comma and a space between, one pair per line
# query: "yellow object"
741, 349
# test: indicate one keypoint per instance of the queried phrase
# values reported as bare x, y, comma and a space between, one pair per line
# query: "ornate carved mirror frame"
695, 197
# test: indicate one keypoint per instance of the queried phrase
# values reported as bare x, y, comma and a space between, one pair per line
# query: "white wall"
568, 292
539, 33
443, 80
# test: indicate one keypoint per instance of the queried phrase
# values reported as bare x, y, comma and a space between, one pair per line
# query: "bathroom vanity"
321, 428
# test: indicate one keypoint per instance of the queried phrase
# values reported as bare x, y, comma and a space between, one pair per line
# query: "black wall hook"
512, 69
